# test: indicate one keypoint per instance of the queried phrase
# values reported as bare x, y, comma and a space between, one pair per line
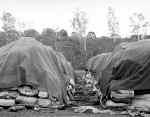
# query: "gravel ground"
53, 114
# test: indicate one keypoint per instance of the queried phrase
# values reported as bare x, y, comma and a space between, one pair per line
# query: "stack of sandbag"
23, 97
43, 99
27, 96
33, 97
7, 98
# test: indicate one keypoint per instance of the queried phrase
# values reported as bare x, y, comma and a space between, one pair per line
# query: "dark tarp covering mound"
44, 68
98, 63
127, 68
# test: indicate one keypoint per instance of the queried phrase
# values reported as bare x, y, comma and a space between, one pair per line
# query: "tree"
48, 32
113, 24
48, 36
31, 33
3, 38
79, 25
75, 37
62, 35
8, 21
9, 27
12, 35
79, 22
139, 25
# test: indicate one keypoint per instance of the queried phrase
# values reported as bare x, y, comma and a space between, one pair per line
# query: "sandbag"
110, 103
17, 108
122, 96
7, 102
27, 91
44, 102
29, 101
43, 94
8, 94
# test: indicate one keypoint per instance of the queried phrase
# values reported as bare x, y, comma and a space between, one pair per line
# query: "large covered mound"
27, 61
128, 68
131, 66
98, 63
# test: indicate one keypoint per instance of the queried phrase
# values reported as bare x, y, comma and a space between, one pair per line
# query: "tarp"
131, 66
27, 61
98, 63
128, 68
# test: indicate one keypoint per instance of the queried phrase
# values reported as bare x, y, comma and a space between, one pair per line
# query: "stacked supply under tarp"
28, 62
126, 72
98, 63
130, 66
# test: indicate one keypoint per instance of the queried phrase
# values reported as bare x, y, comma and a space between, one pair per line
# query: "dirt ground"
63, 113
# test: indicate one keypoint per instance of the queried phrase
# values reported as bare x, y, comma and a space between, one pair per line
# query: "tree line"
77, 47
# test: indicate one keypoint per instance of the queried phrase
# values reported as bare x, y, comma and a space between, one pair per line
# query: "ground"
53, 114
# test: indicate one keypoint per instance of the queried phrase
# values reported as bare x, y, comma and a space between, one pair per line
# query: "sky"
39, 14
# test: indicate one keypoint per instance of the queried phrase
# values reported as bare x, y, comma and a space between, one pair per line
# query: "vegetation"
79, 22
139, 25
113, 24
78, 47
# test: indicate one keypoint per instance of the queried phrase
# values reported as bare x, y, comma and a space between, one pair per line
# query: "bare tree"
139, 25
113, 24
9, 26
8, 21
79, 22
79, 25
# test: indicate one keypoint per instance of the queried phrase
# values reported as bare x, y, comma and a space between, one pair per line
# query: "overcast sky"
40, 14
